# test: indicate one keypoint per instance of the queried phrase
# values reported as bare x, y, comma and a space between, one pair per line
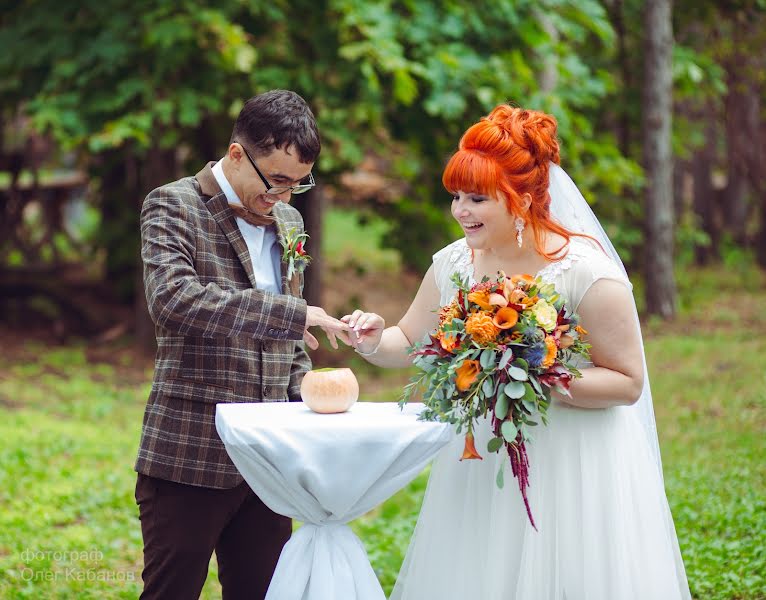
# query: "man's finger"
344, 337
310, 340
331, 336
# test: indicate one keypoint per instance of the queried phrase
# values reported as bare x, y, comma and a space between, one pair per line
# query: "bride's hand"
366, 330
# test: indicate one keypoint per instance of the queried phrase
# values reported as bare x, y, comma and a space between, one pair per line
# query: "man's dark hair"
278, 119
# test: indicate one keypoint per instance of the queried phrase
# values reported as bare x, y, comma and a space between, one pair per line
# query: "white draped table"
326, 470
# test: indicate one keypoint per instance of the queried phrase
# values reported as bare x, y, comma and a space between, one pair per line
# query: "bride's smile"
485, 221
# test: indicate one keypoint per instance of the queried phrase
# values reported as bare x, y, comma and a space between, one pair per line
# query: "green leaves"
494, 444
501, 406
487, 360
507, 356
514, 389
517, 373
509, 431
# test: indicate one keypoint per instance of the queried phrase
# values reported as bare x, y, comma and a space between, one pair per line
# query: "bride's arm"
420, 319
617, 376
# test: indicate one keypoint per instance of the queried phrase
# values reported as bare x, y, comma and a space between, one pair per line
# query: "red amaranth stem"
517, 452
520, 467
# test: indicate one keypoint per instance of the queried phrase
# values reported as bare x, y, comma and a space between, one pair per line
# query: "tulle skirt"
604, 528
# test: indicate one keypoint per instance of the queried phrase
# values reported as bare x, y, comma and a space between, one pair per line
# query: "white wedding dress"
597, 496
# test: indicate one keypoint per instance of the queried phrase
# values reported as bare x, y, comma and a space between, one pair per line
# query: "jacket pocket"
196, 391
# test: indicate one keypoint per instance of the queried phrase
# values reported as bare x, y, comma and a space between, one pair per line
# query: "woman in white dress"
604, 530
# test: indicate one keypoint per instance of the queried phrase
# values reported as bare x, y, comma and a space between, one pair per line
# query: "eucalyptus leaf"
500, 479
514, 389
507, 356
522, 364
509, 431
488, 387
517, 373
487, 359
501, 406
494, 444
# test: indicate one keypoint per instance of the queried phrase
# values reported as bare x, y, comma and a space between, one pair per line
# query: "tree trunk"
658, 159
739, 143
616, 11
757, 172
550, 72
311, 207
705, 196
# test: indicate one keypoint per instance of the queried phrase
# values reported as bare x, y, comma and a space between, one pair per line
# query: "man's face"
281, 168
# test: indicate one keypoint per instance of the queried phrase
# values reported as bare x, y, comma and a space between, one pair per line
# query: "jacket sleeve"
179, 302
301, 364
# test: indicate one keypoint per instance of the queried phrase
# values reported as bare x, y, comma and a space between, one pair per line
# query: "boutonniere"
294, 251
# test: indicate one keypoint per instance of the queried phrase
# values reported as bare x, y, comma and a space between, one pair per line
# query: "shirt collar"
231, 195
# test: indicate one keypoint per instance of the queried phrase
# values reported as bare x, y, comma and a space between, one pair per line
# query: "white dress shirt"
261, 242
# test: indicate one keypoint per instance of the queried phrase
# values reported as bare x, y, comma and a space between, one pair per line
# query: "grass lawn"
70, 419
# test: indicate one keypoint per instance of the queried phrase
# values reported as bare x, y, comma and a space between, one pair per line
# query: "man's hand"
335, 329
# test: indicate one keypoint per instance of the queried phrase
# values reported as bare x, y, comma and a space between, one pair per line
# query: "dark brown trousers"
183, 524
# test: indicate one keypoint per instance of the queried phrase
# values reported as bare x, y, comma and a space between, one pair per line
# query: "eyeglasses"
275, 190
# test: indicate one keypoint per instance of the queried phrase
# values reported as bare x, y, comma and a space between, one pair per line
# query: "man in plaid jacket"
229, 326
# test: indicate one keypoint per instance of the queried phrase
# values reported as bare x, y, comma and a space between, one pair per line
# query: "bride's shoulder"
585, 257
451, 253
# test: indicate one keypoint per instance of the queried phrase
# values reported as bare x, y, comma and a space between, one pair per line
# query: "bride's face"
484, 219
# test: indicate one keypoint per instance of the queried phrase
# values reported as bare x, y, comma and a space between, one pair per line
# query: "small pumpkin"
329, 391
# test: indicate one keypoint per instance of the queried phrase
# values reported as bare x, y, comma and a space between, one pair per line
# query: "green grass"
70, 428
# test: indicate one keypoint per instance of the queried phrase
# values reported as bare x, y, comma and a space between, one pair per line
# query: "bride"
595, 478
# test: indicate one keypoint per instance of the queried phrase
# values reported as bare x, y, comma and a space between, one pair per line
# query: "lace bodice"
573, 275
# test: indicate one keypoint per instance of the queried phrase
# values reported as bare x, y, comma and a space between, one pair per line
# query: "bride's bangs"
472, 173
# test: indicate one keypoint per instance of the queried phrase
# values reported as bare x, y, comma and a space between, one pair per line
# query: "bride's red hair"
506, 155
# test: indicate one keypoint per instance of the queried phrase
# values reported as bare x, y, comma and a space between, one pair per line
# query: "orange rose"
552, 349
481, 298
469, 450
505, 318
467, 374
481, 328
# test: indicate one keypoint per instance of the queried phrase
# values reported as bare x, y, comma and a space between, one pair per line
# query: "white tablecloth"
326, 470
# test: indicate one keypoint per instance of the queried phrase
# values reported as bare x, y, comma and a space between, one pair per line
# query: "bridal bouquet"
500, 348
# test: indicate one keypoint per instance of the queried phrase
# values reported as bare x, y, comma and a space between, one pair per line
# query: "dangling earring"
519, 224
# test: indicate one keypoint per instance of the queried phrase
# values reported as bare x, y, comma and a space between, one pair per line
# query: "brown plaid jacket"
219, 339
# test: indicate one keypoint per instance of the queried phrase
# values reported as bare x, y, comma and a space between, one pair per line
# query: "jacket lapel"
224, 216
278, 213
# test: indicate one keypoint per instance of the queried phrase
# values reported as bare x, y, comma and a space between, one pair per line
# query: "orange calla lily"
469, 451
467, 374
505, 318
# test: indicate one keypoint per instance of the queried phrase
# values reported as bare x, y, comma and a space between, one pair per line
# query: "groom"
229, 326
